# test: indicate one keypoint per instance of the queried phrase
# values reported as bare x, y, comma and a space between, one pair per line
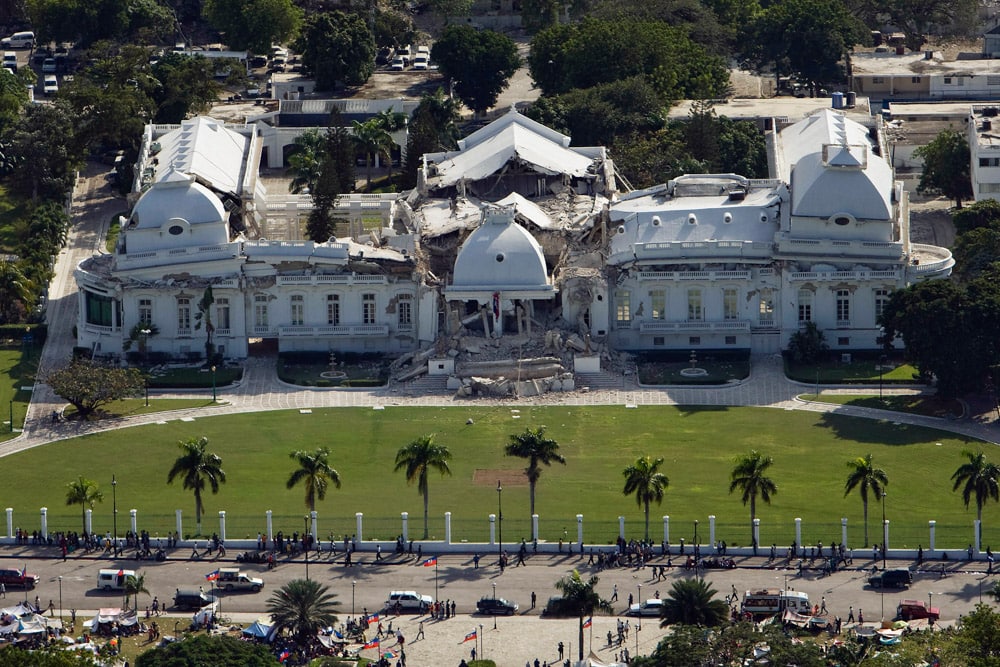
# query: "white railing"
703, 249
694, 275
263, 331
337, 279
819, 276
200, 253
98, 329
223, 332
353, 330
656, 326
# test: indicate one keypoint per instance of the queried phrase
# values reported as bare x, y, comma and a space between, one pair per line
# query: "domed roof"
177, 196
500, 254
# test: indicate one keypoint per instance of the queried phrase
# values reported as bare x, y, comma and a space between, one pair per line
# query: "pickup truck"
912, 609
19, 578
233, 579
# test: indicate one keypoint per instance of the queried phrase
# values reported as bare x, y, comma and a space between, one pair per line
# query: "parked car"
496, 606
49, 66
398, 64
50, 85
192, 598
896, 578
10, 60
651, 607
19, 40
409, 601
909, 610
420, 62
20, 578
233, 579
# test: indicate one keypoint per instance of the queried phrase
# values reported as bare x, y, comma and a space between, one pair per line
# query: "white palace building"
514, 230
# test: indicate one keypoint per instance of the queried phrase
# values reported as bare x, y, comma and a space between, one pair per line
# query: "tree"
917, 18
448, 8
536, 448
946, 167
750, 478
47, 150
204, 316
135, 584
87, 385
216, 650
539, 14
197, 468
373, 139
479, 63
303, 607
644, 480
315, 473
807, 344
85, 493
254, 24
337, 47
978, 215
305, 157
980, 478
49, 656
187, 86
432, 129
13, 97
17, 293
691, 602
865, 477
419, 457
976, 252
581, 597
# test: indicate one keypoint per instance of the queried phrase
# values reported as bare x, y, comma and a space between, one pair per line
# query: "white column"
885, 536
756, 532
493, 529
312, 520
406, 526
621, 527
933, 526
534, 527
45, 522
447, 527
359, 521
270, 528
10, 522
134, 520
711, 529
222, 525
177, 520
843, 531
579, 531
798, 533
666, 528
976, 533
88, 520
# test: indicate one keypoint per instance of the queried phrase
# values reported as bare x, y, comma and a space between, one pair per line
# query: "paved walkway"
260, 390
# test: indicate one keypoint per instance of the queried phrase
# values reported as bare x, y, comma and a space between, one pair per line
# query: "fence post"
579, 531
88, 521
406, 526
756, 535
711, 529
313, 522
180, 531
933, 528
493, 529
270, 526
10, 523
798, 535
447, 527
621, 527
885, 534
359, 520
666, 529
134, 520
534, 527
222, 525
45, 523
843, 531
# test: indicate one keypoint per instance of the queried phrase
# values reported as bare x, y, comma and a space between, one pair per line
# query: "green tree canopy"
254, 24
48, 151
432, 129
187, 85
315, 473
692, 602
946, 167
337, 47
197, 468
916, 18
85, 493
537, 449
563, 57
980, 214
644, 480
303, 607
865, 477
749, 477
479, 63
216, 650
419, 457
581, 597
979, 480
88, 385
17, 293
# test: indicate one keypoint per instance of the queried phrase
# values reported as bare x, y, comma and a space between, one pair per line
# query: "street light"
499, 524
885, 531
353, 584
639, 600
494, 597
305, 537
146, 386
881, 369
145, 344
213, 384
60, 598
696, 548
114, 518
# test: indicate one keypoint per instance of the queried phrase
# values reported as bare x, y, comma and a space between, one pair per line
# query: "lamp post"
885, 531
60, 597
881, 370
639, 600
213, 384
145, 344
114, 517
353, 584
696, 547
499, 524
145, 383
494, 597
305, 538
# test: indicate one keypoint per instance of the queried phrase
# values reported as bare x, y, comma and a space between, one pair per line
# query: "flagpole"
591, 650
435, 579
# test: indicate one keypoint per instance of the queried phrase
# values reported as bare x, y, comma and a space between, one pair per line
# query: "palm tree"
749, 477
865, 477
315, 472
305, 159
373, 139
303, 607
16, 292
581, 597
391, 121
83, 492
135, 584
534, 446
197, 467
417, 458
981, 478
644, 480
692, 602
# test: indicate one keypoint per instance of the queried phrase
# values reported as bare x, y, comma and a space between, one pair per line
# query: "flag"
212, 576
24, 571
589, 622
284, 655
371, 619
372, 644
469, 637
388, 655
431, 562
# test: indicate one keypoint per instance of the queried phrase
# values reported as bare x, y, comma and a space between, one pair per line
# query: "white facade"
983, 130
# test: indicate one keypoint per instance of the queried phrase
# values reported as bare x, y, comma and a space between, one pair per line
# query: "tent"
18, 611
259, 630
205, 615
31, 625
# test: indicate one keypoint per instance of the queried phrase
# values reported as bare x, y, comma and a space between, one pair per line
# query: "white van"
19, 40
113, 580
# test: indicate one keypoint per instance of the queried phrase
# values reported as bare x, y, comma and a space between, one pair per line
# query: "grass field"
137, 406
863, 369
17, 370
931, 405
810, 453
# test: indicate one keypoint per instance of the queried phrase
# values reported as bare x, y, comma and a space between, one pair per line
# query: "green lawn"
932, 406
194, 377
13, 212
699, 444
863, 369
137, 406
17, 369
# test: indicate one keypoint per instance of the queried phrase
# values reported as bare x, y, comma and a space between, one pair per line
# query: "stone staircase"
428, 384
601, 380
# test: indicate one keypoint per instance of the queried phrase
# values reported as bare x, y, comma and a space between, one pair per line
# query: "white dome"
177, 197
500, 255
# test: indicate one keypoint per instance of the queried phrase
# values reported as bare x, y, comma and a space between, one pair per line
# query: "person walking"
420, 631
534, 598
614, 593
850, 614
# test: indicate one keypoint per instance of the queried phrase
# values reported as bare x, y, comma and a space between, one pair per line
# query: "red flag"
372, 644
431, 562
469, 637
589, 622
